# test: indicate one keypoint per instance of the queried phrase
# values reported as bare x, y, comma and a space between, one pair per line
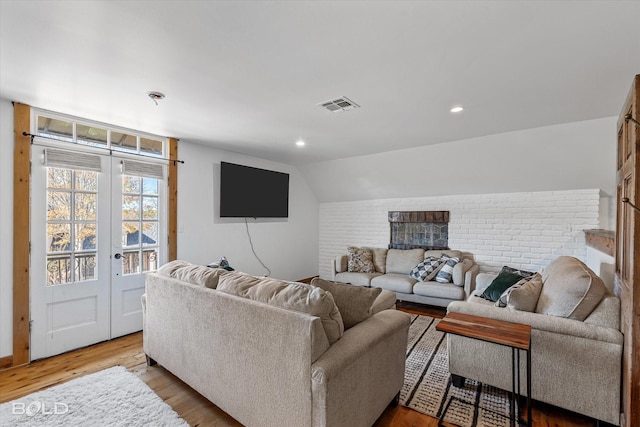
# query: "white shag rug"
112, 397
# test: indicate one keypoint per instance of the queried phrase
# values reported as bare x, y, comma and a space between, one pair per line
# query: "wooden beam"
173, 201
21, 240
602, 240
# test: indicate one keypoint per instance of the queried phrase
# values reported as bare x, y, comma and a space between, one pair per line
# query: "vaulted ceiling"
247, 76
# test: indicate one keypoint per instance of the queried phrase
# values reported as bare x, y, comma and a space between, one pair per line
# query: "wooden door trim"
172, 223
21, 235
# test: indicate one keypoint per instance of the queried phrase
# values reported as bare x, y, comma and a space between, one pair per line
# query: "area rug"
427, 383
112, 397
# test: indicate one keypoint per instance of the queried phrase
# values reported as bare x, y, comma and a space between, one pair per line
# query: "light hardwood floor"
195, 409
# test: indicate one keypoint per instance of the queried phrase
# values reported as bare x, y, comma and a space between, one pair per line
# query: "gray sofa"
266, 365
576, 349
392, 268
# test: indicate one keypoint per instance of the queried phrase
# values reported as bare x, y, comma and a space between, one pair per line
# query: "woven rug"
427, 383
112, 397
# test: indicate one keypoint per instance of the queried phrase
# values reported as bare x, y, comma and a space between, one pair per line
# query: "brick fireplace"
419, 229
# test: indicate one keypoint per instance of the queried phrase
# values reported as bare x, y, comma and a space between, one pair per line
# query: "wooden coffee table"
514, 335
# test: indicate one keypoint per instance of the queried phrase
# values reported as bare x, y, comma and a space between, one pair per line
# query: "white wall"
522, 230
570, 156
289, 247
6, 228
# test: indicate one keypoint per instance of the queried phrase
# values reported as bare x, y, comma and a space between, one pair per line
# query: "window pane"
149, 233
151, 146
86, 180
124, 142
59, 237
85, 268
58, 269
54, 128
149, 185
130, 207
149, 259
131, 184
130, 234
86, 206
85, 237
58, 178
131, 262
91, 135
58, 205
149, 208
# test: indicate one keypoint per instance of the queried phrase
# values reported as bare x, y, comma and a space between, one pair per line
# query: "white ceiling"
246, 76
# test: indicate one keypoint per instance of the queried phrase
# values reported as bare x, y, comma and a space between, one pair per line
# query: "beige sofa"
270, 366
576, 359
392, 268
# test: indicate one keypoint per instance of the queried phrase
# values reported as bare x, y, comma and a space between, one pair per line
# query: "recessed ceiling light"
299, 143
457, 109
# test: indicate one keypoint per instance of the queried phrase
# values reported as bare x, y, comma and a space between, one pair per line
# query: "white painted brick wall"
523, 230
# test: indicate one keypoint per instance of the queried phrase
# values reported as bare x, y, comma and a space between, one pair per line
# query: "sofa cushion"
341, 263
379, 259
360, 260
445, 274
394, 282
357, 279
427, 269
439, 290
523, 295
192, 273
353, 302
402, 261
291, 296
501, 283
570, 289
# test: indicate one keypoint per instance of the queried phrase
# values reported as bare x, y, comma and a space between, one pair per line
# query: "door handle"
117, 256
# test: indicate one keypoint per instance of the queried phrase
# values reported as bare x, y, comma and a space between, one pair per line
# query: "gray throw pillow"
354, 302
427, 269
523, 295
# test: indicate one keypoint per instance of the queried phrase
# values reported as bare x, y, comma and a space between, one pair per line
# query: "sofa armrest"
470, 279
364, 369
339, 264
541, 322
483, 280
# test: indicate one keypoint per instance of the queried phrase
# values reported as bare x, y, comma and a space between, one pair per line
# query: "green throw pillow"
501, 283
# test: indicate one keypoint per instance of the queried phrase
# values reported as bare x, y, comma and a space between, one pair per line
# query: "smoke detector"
339, 104
155, 96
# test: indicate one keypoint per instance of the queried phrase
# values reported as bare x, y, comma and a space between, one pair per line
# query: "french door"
97, 225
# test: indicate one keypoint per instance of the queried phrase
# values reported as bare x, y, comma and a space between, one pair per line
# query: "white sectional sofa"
289, 362
576, 343
392, 269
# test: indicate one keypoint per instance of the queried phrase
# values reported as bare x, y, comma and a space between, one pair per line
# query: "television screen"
248, 192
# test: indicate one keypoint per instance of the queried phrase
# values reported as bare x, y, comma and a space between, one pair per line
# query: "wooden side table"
514, 335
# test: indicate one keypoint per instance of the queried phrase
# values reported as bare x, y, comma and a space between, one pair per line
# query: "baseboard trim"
6, 362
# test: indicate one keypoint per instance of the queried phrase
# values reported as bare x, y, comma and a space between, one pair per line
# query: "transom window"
99, 135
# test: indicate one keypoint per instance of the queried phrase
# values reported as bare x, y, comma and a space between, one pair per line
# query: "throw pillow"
360, 260
445, 275
571, 289
354, 302
523, 295
523, 273
290, 296
503, 281
427, 269
379, 259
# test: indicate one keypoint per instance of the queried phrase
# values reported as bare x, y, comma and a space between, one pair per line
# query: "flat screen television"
248, 192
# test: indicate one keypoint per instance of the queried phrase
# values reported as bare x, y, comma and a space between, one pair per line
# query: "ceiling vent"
339, 104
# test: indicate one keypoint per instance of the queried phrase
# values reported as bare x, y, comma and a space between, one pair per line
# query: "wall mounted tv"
248, 192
